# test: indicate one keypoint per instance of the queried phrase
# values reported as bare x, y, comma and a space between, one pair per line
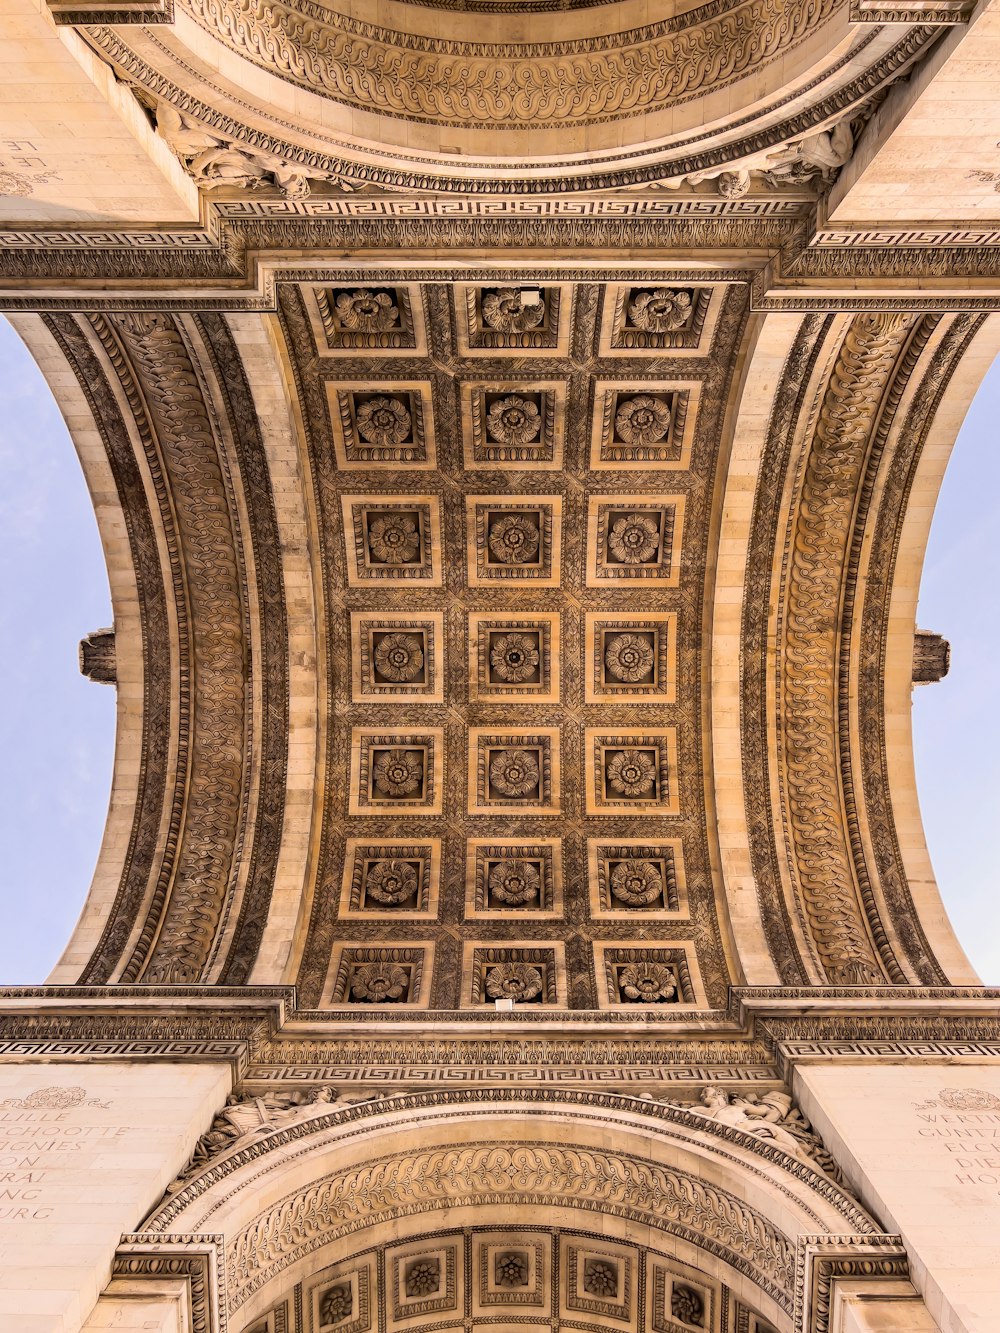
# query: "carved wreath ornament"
659, 311
383, 422
504, 311
514, 882
54, 1099
513, 421
513, 981
631, 773
514, 657
514, 539
514, 772
634, 538
398, 773
363, 311
628, 657
642, 420
391, 882
399, 657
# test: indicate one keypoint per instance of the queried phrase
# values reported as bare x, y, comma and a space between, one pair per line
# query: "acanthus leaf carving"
193, 468
821, 865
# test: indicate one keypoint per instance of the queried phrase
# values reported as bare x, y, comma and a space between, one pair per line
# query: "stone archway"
587, 1209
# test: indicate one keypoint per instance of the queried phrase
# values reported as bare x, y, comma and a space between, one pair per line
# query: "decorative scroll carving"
524, 86
884, 537
530, 1173
214, 789
822, 865
272, 745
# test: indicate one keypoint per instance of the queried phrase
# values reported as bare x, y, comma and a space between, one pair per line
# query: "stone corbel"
70, 12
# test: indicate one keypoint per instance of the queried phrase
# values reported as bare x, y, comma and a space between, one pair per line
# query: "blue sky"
956, 724
57, 729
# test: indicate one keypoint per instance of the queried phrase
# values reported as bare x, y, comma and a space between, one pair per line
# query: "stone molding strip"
822, 866
213, 577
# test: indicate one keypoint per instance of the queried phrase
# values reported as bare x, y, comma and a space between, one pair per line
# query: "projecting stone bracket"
833, 1272
97, 657
931, 657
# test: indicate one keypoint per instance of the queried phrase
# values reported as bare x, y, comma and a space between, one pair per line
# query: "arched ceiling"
450, 597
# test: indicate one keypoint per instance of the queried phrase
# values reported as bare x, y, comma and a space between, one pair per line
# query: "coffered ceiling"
513, 491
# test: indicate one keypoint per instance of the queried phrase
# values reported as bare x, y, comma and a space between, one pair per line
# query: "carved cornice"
913, 11
78, 12
236, 263
268, 1042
